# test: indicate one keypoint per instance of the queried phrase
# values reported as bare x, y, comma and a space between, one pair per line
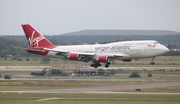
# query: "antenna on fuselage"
28, 18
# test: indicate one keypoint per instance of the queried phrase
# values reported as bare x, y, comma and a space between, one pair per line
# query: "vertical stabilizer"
34, 38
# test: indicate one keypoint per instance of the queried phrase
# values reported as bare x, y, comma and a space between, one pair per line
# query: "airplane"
126, 51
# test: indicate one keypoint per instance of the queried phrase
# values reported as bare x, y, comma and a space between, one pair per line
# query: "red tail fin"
34, 38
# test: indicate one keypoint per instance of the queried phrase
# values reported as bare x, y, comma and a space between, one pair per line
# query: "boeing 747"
97, 53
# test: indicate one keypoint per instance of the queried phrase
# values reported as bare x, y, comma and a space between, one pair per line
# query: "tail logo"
33, 41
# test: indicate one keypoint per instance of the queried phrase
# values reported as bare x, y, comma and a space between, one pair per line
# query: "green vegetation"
108, 72
100, 38
29, 98
161, 61
135, 74
164, 90
42, 73
20, 85
159, 90
7, 43
59, 84
150, 75
7, 77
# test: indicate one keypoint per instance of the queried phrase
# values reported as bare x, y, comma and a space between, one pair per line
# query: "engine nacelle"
127, 60
74, 56
102, 59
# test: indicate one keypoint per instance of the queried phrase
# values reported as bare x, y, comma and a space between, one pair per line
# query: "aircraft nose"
165, 49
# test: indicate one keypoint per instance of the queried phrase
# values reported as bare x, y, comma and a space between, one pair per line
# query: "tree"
34, 73
42, 73
7, 77
113, 72
149, 75
135, 74
57, 72
27, 59
101, 72
110, 72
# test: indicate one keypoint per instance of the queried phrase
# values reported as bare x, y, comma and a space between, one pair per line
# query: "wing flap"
64, 52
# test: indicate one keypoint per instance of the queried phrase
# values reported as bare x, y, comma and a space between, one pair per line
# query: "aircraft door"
145, 49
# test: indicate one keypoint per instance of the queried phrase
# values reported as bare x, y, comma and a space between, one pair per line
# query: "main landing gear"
95, 64
152, 63
107, 64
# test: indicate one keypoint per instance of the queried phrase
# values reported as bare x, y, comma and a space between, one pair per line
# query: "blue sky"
52, 17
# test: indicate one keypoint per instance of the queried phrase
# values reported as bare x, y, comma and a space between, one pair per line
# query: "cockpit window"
156, 43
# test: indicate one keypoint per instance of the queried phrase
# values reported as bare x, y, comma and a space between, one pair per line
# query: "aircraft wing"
66, 52
86, 54
55, 50
86, 57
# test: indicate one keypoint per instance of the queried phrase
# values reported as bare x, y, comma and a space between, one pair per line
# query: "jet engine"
74, 56
102, 59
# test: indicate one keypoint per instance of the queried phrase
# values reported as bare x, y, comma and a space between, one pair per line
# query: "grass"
164, 90
29, 98
11, 85
168, 61
159, 90
20, 85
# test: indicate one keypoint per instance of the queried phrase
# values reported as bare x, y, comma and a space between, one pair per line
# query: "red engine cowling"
102, 59
127, 60
74, 56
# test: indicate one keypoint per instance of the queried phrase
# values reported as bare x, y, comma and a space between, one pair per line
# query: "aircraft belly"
139, 55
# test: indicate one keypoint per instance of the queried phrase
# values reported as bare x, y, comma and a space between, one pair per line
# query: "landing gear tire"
152, 63
95, 64
107, 64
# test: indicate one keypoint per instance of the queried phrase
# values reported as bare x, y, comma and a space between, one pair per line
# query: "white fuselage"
132, 49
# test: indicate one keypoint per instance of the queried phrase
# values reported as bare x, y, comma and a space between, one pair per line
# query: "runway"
108, 89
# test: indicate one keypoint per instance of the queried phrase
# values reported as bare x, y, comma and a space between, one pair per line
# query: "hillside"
123, 32
104, 36
8, 42
7, 46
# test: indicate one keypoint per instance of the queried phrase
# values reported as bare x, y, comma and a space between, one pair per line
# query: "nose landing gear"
152, 63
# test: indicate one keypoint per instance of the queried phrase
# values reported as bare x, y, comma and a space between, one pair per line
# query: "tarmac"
109, 89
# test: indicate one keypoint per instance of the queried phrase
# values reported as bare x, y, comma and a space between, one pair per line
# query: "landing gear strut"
152, 63
107, 64
95, 64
